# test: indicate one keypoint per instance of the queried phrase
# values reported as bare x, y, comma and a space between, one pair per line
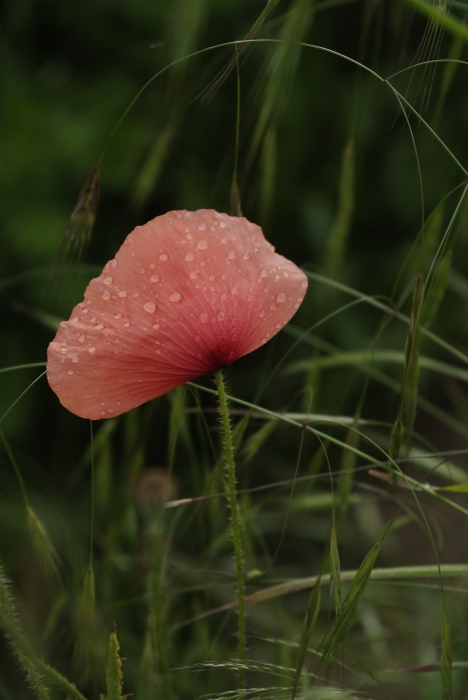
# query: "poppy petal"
186, 294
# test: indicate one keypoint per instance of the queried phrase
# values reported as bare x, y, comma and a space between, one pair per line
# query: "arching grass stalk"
235, 518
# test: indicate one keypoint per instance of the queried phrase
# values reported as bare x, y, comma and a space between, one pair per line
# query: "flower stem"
235, 518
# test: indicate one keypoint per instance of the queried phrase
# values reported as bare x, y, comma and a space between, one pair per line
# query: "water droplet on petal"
245, 256
204, 318
202, 245
264, 273
163, 257
106, 295
70, 372
92, 349
234, 290
154, 278
123, 293
231, 255
220, 315
261, 313
264, 340
150, 307
281, 297
223, 296
99, 327
278, 326
126, 325
152, 266
189, 257
75, 358
175, 297
82, 338
202, 227
156, 326
304, 285
193, 275
107, 280
118, 315
85, 311
272, 307
103, 413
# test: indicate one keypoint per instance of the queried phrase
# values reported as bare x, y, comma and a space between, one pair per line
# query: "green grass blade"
348, 610
114, 674
446, 662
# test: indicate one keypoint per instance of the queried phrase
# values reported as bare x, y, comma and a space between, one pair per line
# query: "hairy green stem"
59, 680
235, 517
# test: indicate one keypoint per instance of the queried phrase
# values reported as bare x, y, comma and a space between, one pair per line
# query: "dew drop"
261, 313
223, 240
202, 227
231, 355
123, 293
107, 281
223, 296
150, 307
264, 340
278, 326
70, 372
84, 311
156, 326
117, 403
204, 318
220, 315
272, 307
126, 325
234, 291
92, 319
136, 295
245, 256
92, 349
264, 273
103, 413
222, 224
202, 245
163, 257
175, 297
152, 266
193, 275
76, 319
281, 297
304, 285
231, 255
154, 278
106, 295
118, 315
82, 338
189, 257
99, 327
211, 278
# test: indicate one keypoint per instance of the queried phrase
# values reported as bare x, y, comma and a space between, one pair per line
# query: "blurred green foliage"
327, 166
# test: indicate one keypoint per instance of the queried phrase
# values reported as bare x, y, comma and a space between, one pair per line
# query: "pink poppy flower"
186, 294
